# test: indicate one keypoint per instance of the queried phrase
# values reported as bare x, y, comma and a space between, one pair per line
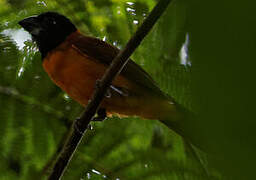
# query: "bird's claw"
101, 115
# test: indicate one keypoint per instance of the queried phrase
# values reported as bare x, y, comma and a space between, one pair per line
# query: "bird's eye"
51, 21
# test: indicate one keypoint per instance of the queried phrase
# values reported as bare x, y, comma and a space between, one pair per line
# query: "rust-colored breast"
75, 73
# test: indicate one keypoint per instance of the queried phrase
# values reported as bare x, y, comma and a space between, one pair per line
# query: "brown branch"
81, 124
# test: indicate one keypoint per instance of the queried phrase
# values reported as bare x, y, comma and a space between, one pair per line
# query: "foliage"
35, 115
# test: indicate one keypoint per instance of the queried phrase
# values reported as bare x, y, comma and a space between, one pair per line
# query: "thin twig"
81, 124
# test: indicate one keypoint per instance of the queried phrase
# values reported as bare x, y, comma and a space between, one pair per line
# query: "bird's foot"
101, 115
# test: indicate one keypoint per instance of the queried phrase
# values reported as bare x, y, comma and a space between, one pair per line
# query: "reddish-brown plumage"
76, 72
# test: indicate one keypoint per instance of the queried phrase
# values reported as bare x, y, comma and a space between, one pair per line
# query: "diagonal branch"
81, 124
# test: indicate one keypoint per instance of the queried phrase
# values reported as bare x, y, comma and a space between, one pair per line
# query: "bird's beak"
31, 25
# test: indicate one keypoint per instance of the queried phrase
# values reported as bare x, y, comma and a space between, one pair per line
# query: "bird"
75, 62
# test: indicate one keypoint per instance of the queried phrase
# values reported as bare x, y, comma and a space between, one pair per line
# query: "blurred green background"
201, 53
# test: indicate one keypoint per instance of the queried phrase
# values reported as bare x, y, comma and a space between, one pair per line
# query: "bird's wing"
105, 53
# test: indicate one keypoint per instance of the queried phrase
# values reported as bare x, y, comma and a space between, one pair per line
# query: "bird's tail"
177, 118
